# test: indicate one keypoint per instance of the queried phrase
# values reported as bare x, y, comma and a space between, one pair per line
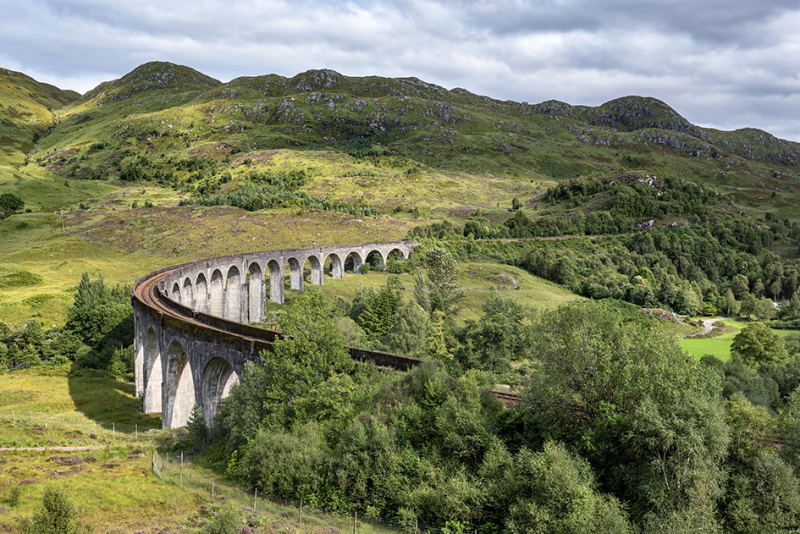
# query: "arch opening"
152, 382
353, 262
393, 259
217, 291
333, 265
313, 270
233, 295
180, 395
255, 293
176, 292
375, 261
218, 379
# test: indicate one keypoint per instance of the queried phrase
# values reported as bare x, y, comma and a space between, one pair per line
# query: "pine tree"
197, 424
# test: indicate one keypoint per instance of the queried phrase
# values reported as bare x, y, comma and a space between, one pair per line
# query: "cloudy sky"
720, 63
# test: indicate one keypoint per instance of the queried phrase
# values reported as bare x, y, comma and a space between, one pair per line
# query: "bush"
10, 203
57, 516
226, 522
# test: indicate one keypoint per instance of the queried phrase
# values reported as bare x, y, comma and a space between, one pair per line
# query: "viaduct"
193, 338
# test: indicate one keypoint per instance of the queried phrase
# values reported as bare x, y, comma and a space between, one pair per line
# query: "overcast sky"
723, 64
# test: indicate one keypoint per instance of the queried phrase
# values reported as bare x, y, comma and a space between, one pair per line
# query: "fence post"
137, 431
114, 431
416, 522
181, 468
212, 491
255, 500
95, 428
301, 512
355, 520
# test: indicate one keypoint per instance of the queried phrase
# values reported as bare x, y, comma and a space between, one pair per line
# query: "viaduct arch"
193, 339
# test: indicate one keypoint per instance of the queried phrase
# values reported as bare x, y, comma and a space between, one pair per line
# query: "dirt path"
708, 325
42, 449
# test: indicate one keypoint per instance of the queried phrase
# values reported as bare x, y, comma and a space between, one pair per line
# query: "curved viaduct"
192, 338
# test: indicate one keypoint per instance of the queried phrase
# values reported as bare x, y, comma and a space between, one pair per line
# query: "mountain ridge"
162, 112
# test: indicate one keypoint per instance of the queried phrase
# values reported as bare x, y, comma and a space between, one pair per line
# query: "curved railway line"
192, 334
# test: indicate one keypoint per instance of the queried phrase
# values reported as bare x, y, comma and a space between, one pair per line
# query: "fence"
46, 427
178, 469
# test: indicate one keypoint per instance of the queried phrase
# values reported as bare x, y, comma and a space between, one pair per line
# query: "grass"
476, 279
720, 346
59, 403
117, 492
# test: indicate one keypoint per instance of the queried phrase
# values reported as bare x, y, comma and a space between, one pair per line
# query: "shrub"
57, 516
10, 203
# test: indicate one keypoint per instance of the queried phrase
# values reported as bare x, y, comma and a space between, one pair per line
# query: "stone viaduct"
193, 339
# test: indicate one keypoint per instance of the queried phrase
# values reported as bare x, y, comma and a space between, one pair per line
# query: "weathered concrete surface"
192, 340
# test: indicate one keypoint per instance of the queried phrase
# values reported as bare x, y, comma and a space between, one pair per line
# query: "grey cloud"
715, 62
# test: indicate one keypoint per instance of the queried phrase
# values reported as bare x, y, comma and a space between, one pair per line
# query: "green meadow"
720, 346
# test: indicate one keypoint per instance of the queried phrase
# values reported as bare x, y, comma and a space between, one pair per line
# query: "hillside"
161, 113
26, 113
167, 162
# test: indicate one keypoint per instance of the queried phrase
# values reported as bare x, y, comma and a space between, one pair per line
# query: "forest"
618, 431
718, 261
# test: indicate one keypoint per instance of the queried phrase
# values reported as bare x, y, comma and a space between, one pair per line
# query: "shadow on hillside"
110, 401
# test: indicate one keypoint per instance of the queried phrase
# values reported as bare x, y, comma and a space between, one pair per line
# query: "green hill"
164, 112
26, 113
169, 162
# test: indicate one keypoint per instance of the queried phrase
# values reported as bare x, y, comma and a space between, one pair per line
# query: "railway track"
147, 292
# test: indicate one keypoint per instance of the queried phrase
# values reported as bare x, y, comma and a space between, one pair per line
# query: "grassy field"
111, 484
477, 280
720, 346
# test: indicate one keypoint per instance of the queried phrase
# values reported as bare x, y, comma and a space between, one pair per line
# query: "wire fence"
63, 428
54, 429
177, 468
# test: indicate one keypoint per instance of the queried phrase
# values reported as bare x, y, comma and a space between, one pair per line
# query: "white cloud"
722, 63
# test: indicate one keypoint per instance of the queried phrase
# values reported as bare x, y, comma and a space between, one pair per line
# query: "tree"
757, 344
775, 288
740, 286
758, 288
410, 329
196, 426
378, 311
765, 309
556, 492
763, 496
269, 394
794, 305
748, 305
421, 293
435, 346
57, 516
731, 307
502, 335
10, 203
442, 283
101, 316
647, 416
